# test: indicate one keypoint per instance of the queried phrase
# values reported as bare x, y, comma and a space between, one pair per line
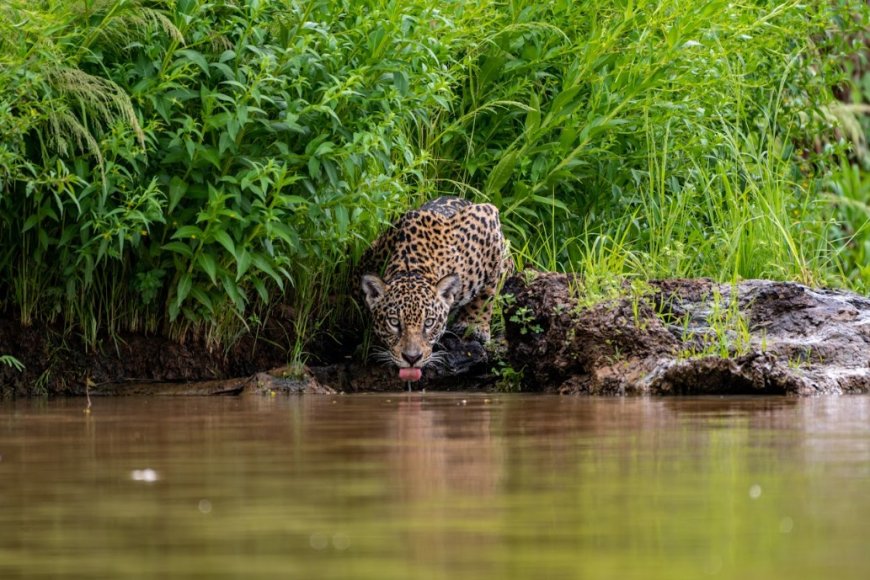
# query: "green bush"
177, 166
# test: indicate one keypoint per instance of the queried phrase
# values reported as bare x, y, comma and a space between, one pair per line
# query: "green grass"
179, 167
11, 361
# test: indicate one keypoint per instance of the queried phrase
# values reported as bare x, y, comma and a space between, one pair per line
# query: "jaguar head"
409, 314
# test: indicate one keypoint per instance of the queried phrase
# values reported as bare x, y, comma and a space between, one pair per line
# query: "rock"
688, 337
287, 381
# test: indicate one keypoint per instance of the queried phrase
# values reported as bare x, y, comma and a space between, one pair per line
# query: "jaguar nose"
412, 357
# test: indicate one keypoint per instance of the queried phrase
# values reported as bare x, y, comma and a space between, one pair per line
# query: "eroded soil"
671, 337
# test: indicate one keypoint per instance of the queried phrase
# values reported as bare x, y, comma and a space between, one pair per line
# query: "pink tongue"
407, 374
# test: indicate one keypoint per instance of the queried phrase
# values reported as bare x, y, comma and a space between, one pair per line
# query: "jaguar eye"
429, 322
394, 322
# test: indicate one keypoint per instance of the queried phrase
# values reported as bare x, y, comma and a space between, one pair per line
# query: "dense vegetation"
179, 166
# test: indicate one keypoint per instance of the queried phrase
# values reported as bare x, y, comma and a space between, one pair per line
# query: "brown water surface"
436, 486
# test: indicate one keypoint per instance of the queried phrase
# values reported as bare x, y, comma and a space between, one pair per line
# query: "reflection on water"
436, 486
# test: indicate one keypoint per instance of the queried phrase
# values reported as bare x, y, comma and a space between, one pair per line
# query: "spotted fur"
446, 257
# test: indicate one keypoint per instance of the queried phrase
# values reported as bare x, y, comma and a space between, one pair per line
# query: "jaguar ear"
448, 287
373, 288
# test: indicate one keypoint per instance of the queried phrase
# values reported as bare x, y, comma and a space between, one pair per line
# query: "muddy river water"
451, 486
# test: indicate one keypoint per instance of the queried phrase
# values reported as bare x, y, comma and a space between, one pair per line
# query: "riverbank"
668, 337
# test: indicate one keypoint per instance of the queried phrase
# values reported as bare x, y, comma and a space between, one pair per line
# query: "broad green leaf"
400, 81
200, 296
243, 262
314, 167
226, 71
177, 189
564, 103
30, 222
195, 57
260, 287
211, 155
234, 292
184, 285
502, 172
264, 266
208, 264
179, 248
550, 201
187, 232
226, 241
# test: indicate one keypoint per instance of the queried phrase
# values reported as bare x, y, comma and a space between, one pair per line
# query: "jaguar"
445, 259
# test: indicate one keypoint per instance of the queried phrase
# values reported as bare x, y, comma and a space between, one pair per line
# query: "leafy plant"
525, 318
510, 380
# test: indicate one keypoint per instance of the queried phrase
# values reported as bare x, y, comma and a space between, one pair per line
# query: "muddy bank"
135, 364
60, 364
466, 368
669, 338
